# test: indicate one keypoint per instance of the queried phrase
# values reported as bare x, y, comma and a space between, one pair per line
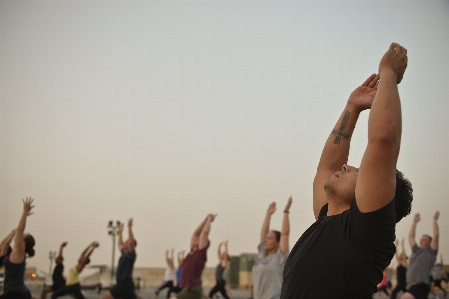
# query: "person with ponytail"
14, 286
273, 252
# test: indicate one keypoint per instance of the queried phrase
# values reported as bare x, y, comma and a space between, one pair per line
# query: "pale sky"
167, 110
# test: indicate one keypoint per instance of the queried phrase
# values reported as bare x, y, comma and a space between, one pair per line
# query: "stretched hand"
417, 218
437, 214
121, 227
289, 204
130, 222
211, 217
363, 96
64, 244
27, 205
95, 244
395, 60
271, 208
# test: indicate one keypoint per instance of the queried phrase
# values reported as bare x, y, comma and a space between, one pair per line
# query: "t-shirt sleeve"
373, 231
282, 256
260, 249
415, 248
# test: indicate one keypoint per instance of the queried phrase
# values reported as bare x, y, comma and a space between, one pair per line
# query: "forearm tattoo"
340, 132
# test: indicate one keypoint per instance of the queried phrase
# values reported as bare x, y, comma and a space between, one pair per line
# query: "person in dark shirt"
14, 285
57, 277
124, 287
401, 270
343, 254
195, 261
5, 248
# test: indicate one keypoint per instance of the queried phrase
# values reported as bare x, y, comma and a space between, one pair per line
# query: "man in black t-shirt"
124, 288
57, 277
343, 254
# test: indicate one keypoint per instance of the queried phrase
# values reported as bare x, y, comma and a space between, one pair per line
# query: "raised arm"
285, 232
84, 258
412, 233
404, 260
4, 245
436, 232
219, 251
131, 235
441, 259
120, 236
18, 251
266, 221
204, 236
376, 181
336, 149
197, 232
59, 257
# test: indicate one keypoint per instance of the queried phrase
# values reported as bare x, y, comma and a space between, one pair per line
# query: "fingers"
374, 80
367, 81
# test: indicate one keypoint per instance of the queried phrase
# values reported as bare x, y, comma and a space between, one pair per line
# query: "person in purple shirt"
124, 274
195, 261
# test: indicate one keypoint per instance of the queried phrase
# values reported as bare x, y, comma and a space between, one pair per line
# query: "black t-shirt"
58, 278
341, 256
401, 274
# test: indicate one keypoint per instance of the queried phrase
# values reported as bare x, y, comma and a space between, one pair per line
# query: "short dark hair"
403, 196
277, 234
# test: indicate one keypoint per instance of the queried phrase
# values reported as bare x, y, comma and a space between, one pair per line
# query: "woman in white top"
273, 252
169, 276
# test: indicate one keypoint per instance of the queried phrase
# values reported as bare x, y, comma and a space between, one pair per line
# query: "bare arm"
285, 233
64, 244
336, 149
219, 251
131, 234
378, 167
197, 232
120, 236
18, 251
204, 236
266, 221
436, 232
412, 233
4, 245
396, 254
85, 256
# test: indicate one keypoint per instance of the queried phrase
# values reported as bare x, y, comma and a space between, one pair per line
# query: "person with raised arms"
73, 286
273, 252
14, 286
344, 253
57, 277
195, 261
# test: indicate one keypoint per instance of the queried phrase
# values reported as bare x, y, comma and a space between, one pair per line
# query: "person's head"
341, 185
85, 260
402, 257
129, 245
271, 243
59, 260
29, 245
425, 241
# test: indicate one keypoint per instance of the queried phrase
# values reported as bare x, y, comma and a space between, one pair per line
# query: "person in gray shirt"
422, 260
273, 252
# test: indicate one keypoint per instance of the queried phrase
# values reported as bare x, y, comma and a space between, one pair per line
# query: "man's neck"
336, 206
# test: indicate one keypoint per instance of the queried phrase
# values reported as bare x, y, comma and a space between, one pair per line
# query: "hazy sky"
166, 111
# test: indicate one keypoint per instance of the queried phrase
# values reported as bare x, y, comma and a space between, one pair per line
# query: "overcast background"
165, 111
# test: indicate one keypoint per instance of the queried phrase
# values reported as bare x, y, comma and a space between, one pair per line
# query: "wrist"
286, 211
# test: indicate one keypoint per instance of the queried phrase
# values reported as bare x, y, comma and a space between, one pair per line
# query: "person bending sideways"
343, 254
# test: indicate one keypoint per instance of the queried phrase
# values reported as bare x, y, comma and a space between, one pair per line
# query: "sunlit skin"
340, 188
